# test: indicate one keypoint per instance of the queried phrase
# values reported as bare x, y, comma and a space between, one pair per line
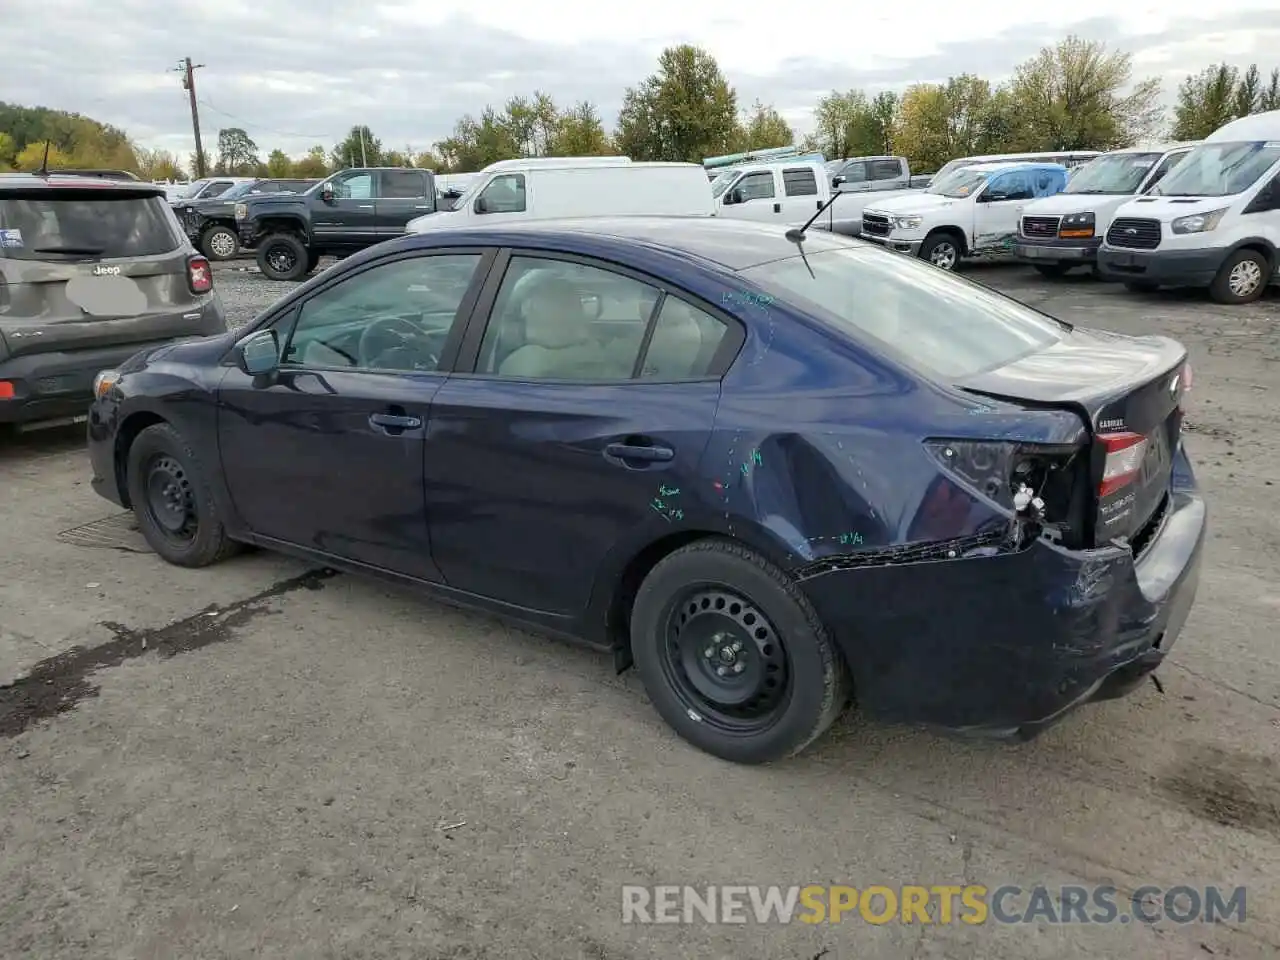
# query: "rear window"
88, 224
938, 323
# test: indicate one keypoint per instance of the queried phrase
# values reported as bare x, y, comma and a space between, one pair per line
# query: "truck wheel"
283, 256
1242, 279
732, 654
1141, 286
219, 243
1053, 270
942, 249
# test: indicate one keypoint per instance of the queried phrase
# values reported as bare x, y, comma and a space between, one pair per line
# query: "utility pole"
187, 69
364, 161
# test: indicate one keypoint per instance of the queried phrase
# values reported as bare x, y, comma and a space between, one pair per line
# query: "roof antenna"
44, 164
796, 234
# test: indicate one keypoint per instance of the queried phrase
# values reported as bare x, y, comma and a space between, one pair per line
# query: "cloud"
294, 73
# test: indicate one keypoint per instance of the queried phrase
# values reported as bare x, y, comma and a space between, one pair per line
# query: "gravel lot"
255, 761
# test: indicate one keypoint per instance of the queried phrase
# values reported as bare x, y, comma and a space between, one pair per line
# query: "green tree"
360, 148
477, 143
922, 133
314, 165
1220, 94
1072, 96
237, 153
532, 123
279, 165
764, 127
8, 150
883, 114
686, 110
579, 133
1269, 99
428, 160
31, 157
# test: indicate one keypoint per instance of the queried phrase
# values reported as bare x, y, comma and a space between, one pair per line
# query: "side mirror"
326, 193
836, 181
735, 196
481, 205
259, 354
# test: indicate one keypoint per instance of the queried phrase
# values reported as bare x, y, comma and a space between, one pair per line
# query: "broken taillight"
1125, 453
199, 275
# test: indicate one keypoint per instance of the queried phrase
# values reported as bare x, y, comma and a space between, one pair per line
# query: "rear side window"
88, 224
403, 185
799, 182
884, 170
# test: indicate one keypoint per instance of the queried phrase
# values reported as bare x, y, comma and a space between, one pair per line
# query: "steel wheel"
222, 244
281, 258
944, 255
1244, 279
726, 661
170, 499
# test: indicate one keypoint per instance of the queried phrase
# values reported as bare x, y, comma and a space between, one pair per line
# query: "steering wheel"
398, 334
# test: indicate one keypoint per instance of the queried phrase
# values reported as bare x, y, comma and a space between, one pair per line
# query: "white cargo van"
552, 187
1213, 222
1064, 231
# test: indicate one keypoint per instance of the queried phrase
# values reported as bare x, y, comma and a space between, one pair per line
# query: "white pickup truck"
784, 192
971, 211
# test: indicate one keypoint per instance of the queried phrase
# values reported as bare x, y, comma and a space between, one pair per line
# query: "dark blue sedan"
777, 472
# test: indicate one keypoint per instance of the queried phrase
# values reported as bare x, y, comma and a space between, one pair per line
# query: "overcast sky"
298, 72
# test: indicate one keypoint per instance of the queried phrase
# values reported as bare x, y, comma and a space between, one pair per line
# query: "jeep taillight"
199, 275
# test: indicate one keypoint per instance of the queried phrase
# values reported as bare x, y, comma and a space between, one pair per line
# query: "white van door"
505, 197
801, 196
998, 208
754, 197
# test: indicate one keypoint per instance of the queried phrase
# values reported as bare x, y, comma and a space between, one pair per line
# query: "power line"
257, 126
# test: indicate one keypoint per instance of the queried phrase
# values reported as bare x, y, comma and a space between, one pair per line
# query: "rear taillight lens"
199, 275
1125, 453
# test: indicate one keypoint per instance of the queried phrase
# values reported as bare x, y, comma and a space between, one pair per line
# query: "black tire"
943, 249
1141, 286
219, 242
776, 630
161, 463
1243, 278
1053, 271
283, 256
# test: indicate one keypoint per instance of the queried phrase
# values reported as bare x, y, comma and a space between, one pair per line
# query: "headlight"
1077, 225
1198, 222
907, 223
242, 211
104, 381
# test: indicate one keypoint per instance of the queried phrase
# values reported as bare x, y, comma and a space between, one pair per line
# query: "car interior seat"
676, 346
558, 339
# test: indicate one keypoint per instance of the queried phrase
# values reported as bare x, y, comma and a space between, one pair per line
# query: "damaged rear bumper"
1006, 645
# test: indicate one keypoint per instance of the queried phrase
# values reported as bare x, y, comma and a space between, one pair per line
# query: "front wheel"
175, 509
219, 243
1241, 279
733, 656
283, 256
942, 250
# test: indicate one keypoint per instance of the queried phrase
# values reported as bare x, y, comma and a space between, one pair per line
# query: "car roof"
997, 166
55, 181
736, 244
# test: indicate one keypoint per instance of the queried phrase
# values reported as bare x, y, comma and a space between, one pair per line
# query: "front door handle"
644, 452
393, 421
366, 206
777, 208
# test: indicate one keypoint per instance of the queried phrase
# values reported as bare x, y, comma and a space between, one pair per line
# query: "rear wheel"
283, 256
1053, 270
175, 509
1141, 286
219, 243
1241, 279
942, 249
733, 656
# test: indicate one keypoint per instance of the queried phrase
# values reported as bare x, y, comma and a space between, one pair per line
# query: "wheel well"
224, 224
125, 436
281, 225
953, 231
618, 617
1257, 246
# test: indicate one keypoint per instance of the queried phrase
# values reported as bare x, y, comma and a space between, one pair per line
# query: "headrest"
554, 317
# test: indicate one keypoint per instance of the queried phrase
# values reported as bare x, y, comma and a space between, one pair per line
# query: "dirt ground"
259, 760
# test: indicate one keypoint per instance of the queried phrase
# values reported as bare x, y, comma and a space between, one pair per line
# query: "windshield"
721, 183
1219, 169
958, 183
239, 190
1117, 173
932, 320
191, 189
78, 225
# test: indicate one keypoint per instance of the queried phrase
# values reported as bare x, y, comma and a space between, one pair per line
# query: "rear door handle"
392, 421
649, 454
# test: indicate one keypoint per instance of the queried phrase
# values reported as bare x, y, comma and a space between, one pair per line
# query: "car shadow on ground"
17, 445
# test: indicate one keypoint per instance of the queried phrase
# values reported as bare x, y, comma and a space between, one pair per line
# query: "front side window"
1167, 164
353, 186
756, 186
557, 320
855, 172
395, 316
87, 223
504, 194
931, 320
1220, 169
1015, 185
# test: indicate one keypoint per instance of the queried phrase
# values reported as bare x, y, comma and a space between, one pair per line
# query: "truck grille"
1040, 226
1135, 233
876, 224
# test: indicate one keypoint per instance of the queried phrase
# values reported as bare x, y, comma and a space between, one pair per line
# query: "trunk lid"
1118, 385
91, 267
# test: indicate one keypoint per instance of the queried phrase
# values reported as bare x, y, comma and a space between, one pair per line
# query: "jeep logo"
101, 271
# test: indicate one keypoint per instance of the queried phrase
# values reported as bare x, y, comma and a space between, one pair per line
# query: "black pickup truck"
349, 211
211, 222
